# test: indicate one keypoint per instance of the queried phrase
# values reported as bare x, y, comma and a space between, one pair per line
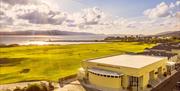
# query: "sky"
115, 7
93, 16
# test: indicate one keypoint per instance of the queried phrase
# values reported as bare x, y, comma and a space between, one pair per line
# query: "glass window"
133, 81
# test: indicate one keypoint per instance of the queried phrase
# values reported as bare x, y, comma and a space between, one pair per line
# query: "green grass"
54, 61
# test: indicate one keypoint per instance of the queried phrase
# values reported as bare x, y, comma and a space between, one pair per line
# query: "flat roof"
133, 61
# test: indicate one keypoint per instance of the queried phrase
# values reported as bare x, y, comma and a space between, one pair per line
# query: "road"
73, 86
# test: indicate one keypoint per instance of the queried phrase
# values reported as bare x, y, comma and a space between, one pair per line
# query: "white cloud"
21, 2
90, 16
39, 15
163, 10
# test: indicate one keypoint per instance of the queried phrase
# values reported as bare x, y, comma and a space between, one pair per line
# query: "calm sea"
42, 40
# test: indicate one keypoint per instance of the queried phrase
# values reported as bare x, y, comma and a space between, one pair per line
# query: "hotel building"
123, 72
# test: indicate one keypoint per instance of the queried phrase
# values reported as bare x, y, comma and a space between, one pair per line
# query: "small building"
171, 66
123, 72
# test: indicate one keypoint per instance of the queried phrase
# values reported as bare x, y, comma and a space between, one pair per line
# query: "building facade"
123, 72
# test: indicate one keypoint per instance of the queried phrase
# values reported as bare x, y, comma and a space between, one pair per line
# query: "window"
110, 76
133, 81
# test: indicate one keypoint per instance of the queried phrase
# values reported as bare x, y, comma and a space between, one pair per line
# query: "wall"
121, 70
137, 72
152, 67
105, 83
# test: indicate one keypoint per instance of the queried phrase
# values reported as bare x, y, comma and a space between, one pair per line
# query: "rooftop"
132, 61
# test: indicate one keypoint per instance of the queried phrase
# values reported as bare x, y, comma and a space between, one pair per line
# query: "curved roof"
104, 72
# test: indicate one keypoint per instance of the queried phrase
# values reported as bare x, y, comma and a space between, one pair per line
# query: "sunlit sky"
122, 8
94, 16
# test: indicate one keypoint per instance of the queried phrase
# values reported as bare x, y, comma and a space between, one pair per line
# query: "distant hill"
48, 32
59, 32
169, 33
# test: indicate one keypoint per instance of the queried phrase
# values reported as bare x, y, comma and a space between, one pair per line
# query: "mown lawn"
24, 63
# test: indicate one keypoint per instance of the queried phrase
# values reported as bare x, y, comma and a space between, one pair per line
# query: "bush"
34, 87
13, 45
17, 89
24, 70
149, 86
3, 45
165, 74
44, 87
7, 90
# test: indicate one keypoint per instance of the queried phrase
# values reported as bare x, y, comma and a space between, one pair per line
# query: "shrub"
36, 87
165, 74
44, 87
33, 87
156, 73
24, 70
3, 45
7, 90
13, 45
17, 89
149, 86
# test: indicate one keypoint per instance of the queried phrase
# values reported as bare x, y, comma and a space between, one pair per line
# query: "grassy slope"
52, 62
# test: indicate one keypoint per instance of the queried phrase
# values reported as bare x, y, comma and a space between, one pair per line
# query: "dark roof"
158, 53
167, 46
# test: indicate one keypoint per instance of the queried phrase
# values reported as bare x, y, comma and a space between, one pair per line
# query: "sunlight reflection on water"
55, 43
45, 40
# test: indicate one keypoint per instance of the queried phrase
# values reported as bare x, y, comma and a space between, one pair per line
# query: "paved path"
73, 86
21, 85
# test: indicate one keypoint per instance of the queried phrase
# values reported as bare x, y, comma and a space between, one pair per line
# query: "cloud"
21, 2
87, 17
163, 10
38, 15
38, 12
92, 16
5, 20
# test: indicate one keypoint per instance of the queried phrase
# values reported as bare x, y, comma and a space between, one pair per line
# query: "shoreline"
75, 41
63, 42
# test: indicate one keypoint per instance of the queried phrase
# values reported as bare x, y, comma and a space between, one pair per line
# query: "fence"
66, 80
